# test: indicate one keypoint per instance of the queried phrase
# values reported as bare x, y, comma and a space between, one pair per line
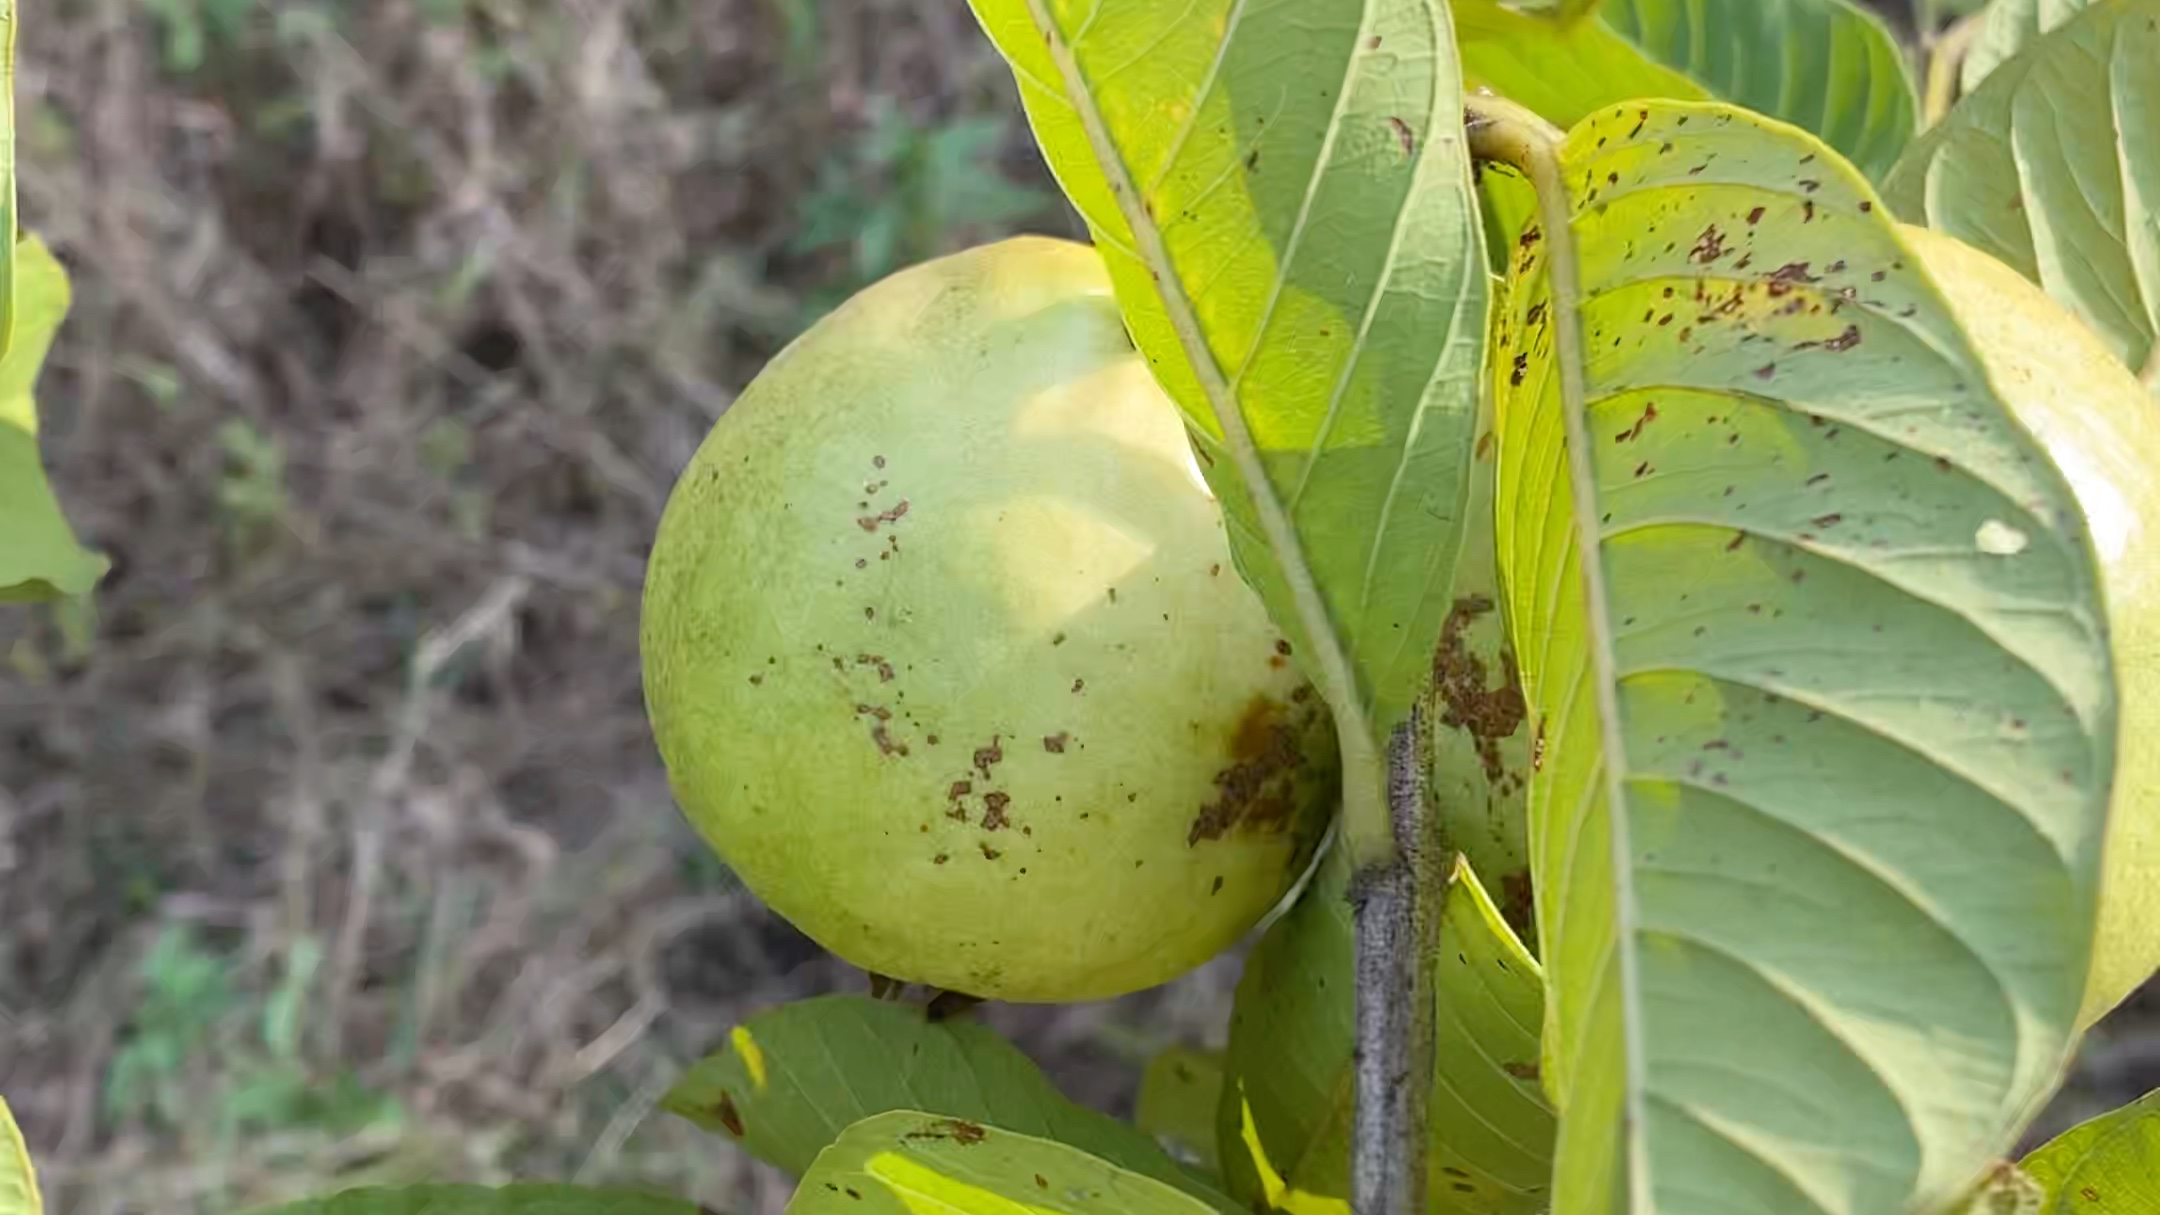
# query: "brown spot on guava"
884, 668
994, 804
1055, 743
1258, 790
986, 757
1487, 714
989, 853
1078, 686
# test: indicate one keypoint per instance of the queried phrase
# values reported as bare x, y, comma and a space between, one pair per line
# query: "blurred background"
333, 847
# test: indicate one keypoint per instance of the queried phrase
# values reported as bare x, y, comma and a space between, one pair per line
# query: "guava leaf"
1476, 743
2108, 1166
790, 1080
1830, 66
1179, 1094
911, 1163
1285, 1121
1562, 70
39, 557
1282, 194
1823, 701
2007, 28
18, 1180
483, 1200
2053, 167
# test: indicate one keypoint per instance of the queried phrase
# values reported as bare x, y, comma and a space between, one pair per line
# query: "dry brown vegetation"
334, 849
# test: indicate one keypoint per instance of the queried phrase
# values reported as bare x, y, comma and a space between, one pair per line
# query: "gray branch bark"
1397, 910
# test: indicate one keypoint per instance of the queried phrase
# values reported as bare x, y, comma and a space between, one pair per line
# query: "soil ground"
333, 849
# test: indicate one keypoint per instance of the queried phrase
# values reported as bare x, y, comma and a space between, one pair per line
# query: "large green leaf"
38, 553
1179, 1094
1821, 686
1282, 194
1284, 1126
1829, 66
2008, 26
18, 1180
1562, 69
2108, 1166
2053, 166
482, 1200
790, 1080
912, 1163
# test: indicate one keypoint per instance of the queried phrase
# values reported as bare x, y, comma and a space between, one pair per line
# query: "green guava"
946, 656
2103, 431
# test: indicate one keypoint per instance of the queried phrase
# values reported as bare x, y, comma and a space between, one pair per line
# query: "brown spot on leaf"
1403, 136
1521, 1071
884, 668
730, 1117
1518, 902
989, 853
1055, 743
994, 810
958, 1130
1487, 714
897, 512
987, 757
1649, 415
1709, 247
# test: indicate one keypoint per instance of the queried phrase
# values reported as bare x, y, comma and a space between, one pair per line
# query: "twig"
387, 783
1945, 57
1398, 922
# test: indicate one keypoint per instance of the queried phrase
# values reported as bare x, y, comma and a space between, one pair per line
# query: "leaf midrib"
1363, 808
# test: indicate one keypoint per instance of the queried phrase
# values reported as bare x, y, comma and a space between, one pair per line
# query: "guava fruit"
2103, 431
946, 657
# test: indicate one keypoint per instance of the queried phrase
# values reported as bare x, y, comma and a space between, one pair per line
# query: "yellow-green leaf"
911, 1163
1282, 194
2108, 1166
1818, 667
1285, 1121
1830, 66
2053, 166
39, 556
788, 1081
18, 1180
1179, 1094
1563, 71
2006, 29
